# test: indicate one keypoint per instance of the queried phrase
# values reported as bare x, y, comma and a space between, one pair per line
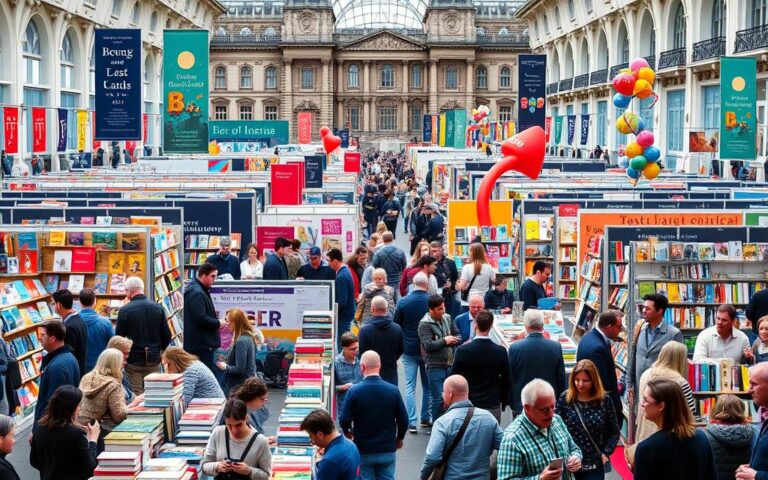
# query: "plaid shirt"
525, 451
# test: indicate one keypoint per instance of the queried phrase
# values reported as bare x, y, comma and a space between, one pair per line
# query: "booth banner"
144, 128
738, 121
435, 129
558, 129
305, 127
313, 171
532, 84
62, 123
427, 130
96, 143
266, 236
11, 129
118, 83
246, 135
584, 129
352, 162
82, 129
344, 135
38, 130
286, 184
324, 230
547, 128
185, 90
442, 126
571, 128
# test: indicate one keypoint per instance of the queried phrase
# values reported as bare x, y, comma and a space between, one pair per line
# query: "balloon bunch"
640, 156
330, 141
480, 117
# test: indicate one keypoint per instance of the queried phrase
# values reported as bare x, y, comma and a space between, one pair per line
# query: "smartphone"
556, 464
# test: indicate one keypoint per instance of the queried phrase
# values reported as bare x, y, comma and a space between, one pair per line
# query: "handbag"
439, 472
607, 467
465, 292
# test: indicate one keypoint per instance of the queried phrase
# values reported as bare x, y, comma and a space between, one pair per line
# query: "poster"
352, 162
462, 216
335, 228
305, 127
547, 128
38, 130
266, 236
248, 136
313, 171
344, 135
145, 128
558, 129
427, 131
11, 129
185, 90
700, 142
118, 84
584, 130
738, 126
532, 84
286, 184
62, 124
82, 125
571, 128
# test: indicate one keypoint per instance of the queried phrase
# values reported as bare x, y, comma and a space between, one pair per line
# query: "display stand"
168, 278
507, 329
537, 243
564, 267
199, 247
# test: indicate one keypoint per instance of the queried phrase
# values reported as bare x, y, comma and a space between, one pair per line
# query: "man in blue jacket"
315, 269
374, 417
99, 328
345, 293
201, 326
224, 261
758, 465
384, 337
341, 460
409, 312
275, 267
59, 367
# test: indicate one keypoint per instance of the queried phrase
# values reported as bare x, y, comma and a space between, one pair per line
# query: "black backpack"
275, 369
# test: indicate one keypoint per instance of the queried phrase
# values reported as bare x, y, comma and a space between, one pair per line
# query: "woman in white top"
479, 270
251, 268
20, 168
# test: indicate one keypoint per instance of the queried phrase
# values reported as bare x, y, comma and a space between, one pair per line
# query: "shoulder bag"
440, 469
235, 475
607, 467
465, 292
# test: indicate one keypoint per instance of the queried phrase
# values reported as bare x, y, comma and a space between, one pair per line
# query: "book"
51, 283
722, 251
100, 284
105, 240
706, 252
735, 250
103, 220
750, 252
76, 238
13, 265
76, 283
460, 234
116, 263
84, 259
57, 238
117, 283
45, 311
3, 263
28, 261
87, 220
136, 263
62, 260
27, 240
642, 252
661, 252
131, 241
676, 250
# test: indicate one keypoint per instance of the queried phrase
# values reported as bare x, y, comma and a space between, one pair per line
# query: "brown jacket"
103, 400
292, 263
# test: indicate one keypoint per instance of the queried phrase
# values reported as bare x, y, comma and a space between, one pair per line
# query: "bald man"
470, 458
758, 465
384, 337
374, 417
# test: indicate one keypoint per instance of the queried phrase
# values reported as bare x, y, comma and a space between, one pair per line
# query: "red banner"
547, 128
38, 130
286, 184
96, 143
130, 145
11, 129
305, 127
352, 162
144, 128
266, 236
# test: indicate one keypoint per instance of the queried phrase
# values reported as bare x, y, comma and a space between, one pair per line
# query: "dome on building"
374, 14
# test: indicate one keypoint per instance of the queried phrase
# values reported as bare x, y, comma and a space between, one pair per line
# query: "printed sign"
532, 78
305, 127
11, 129
738, 125
82, 129
246, 135
584, 129
313, 171
38, 130
62, 124
118, 83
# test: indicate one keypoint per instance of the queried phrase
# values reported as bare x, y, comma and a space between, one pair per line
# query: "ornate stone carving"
451, 105
306, 21
452, 23
305, 105
384, 41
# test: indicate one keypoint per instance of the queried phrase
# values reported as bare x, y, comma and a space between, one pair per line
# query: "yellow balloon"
647, 74
651, 171
626, 128
642, 87
625, 70
633, 149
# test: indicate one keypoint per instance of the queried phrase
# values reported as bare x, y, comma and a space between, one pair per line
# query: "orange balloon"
642, 89
647, 74
651, 171
633, 149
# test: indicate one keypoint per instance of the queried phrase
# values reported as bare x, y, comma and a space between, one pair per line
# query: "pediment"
383, 40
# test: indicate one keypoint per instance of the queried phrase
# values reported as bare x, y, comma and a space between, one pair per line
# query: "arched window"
451, 78
480, 31
271, 80
67, 59
588, 5
416, 75
32, 54
718, 18
353, 76
504, 32
92, 71
270, 32
220, 78
571, 10
117, 7
221, 32
759, 12
168, 24
625, 50
153, 22
678, 36
557, 17
245, 32
505, 77
246, 77
387, 76
481, 77
136, 13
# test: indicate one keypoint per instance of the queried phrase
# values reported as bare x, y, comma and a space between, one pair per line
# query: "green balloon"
638, 163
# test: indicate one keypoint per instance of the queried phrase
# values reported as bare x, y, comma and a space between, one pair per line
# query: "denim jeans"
436, 376
377, 466
414, 365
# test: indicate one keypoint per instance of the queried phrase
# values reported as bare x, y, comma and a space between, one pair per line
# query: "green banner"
738, 108
558, 129
450, 128
249, 135
756, 219
460, 129
185, 90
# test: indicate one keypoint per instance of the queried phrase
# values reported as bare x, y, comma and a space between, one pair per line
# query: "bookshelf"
168, 278
564, 267
719, 377
199, 247
537, 243
498, 247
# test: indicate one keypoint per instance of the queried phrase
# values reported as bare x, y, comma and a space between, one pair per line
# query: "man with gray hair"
144, 322
537, 443
392, 259
535, 357
384, 337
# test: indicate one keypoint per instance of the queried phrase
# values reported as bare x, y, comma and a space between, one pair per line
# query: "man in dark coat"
275, 267
384, 337
201, 325
345, 293
59, 367
224, 261
77, 331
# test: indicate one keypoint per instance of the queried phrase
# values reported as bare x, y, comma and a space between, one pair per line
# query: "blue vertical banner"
313, 171
118, 84
584, 129
62, 123
532, 85
344, 135
427, 135
571, 128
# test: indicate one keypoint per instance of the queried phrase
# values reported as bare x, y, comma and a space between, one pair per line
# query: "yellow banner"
82, 128
441, 135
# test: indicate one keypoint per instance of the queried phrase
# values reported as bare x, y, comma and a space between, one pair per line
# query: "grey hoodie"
730, 447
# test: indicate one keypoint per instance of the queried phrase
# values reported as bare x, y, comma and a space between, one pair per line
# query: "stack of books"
162, 389
305, 385
151, 425
292, 463
117, 466
317, 325
197, 423
165, 469
128, 442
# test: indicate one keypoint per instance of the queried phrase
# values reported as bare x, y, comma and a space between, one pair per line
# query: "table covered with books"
510, 328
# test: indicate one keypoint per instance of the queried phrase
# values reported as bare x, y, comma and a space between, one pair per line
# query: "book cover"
62, 261
117, 283
235, 237
28, 261
87, 220
103, 220
45, 311
762, 252
214, 242
202, 241
116, 263
136, 263
105, 240
642, 252
661, 252
532, 229
76, 283
121, 221
26, 319
100, 283
750, 252
676, 250
721, 251
51, 283
27, 240
706, 252
13, 265
21, 290
131, 241
461, 234
76, 238
34, 315
84, 259
3, 263
645, 287
691, 252
57, 238
31, 287
502, 232
735, 250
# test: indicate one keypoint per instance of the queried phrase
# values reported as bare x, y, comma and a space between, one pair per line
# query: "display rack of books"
564, 267
507, 329
198, 421
537, 244
168, 278
199, 247
590, 287
499, 248
718, 377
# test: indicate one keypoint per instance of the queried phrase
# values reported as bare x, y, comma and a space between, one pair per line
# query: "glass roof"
372, 14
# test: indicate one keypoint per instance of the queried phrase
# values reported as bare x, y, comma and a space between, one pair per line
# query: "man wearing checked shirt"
536, 438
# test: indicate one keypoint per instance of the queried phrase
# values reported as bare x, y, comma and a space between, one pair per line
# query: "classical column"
287, 94
340, 76
326, 95
433, 86
405, 115
405, 77
366, 109
340, 112
470, 84
366, 76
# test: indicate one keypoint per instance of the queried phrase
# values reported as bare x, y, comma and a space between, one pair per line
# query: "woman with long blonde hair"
199, 381
477, 274
241, 362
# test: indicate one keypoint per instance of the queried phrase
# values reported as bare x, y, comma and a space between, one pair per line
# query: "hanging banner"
547, 128
558, 129
266, 236
427, 130
532, 84
118, 84
11, 129
246, 135
63, 114
96, 143
344, 135
435, 128
305, 127
185, 89
584, 129
738, 126
144, 128
286, 184
38, 130
82, 125
352, 162
571, 128
313, 171
443, 126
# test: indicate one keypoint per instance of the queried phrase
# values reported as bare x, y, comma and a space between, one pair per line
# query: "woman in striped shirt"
199, 381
